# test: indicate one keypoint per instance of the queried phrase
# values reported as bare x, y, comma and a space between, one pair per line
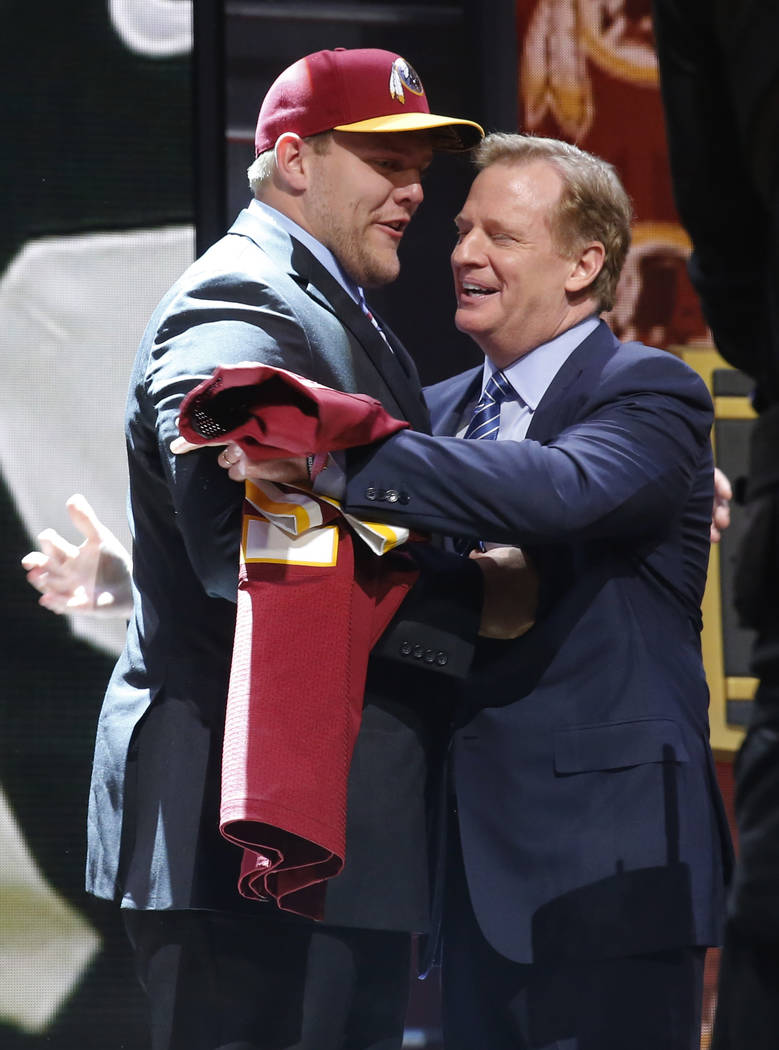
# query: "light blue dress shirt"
530, 376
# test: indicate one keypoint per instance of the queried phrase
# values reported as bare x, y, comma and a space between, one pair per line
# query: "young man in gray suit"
343, 138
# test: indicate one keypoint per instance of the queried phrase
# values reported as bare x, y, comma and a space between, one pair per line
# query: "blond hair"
260, 171
593, 204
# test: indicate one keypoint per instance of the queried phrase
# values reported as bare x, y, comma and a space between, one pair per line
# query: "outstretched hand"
92, 578
232, 458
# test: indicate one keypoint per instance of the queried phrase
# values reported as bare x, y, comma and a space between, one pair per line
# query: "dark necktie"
484, 426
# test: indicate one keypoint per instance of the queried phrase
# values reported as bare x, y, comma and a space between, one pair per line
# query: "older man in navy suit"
588, 848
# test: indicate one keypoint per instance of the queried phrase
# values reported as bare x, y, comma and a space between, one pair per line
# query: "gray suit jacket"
153, 815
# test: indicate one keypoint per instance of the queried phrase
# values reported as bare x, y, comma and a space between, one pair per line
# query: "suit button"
405, 648
392, 496
441, 658
370, 493
429, 656
419, 652
404, 498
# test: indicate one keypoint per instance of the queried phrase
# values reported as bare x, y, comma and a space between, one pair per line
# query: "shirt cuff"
331, 479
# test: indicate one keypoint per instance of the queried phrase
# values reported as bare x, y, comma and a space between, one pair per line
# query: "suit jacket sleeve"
199, 330
622, 465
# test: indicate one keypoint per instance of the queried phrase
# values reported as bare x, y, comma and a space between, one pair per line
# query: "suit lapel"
396, 370
451, 402
560, 405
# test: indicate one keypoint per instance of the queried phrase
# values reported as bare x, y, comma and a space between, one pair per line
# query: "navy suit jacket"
589, 812
153, 842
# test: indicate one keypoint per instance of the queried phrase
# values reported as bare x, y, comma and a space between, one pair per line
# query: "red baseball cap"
363, 89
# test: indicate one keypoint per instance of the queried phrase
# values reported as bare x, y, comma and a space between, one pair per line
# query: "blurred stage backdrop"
128, 132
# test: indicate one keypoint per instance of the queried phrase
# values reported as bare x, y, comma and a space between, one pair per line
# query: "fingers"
502, 555
56, 603
56, 547
36, 563
722, 486
239, 467
720, 514
179, 446
56, 552
48, 569
83, 516
720, 521
721, 517
234, 461
231, 458
56, 593
34, 560
66, 602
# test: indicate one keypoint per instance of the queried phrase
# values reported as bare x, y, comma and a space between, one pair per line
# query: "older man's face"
509, 277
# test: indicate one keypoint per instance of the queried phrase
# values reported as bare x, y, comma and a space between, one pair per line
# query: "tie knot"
485, 421
498, 388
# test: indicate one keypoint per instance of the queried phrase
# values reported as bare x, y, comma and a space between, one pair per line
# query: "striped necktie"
484, 426
375, 323
485, 420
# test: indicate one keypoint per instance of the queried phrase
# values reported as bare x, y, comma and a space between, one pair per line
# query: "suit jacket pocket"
618, 745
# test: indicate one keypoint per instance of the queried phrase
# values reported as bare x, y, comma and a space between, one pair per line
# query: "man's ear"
290, 152
586, 267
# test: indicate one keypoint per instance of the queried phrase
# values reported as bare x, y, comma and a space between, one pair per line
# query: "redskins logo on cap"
402, 74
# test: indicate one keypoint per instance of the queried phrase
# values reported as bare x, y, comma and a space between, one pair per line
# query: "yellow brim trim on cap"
467, 130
